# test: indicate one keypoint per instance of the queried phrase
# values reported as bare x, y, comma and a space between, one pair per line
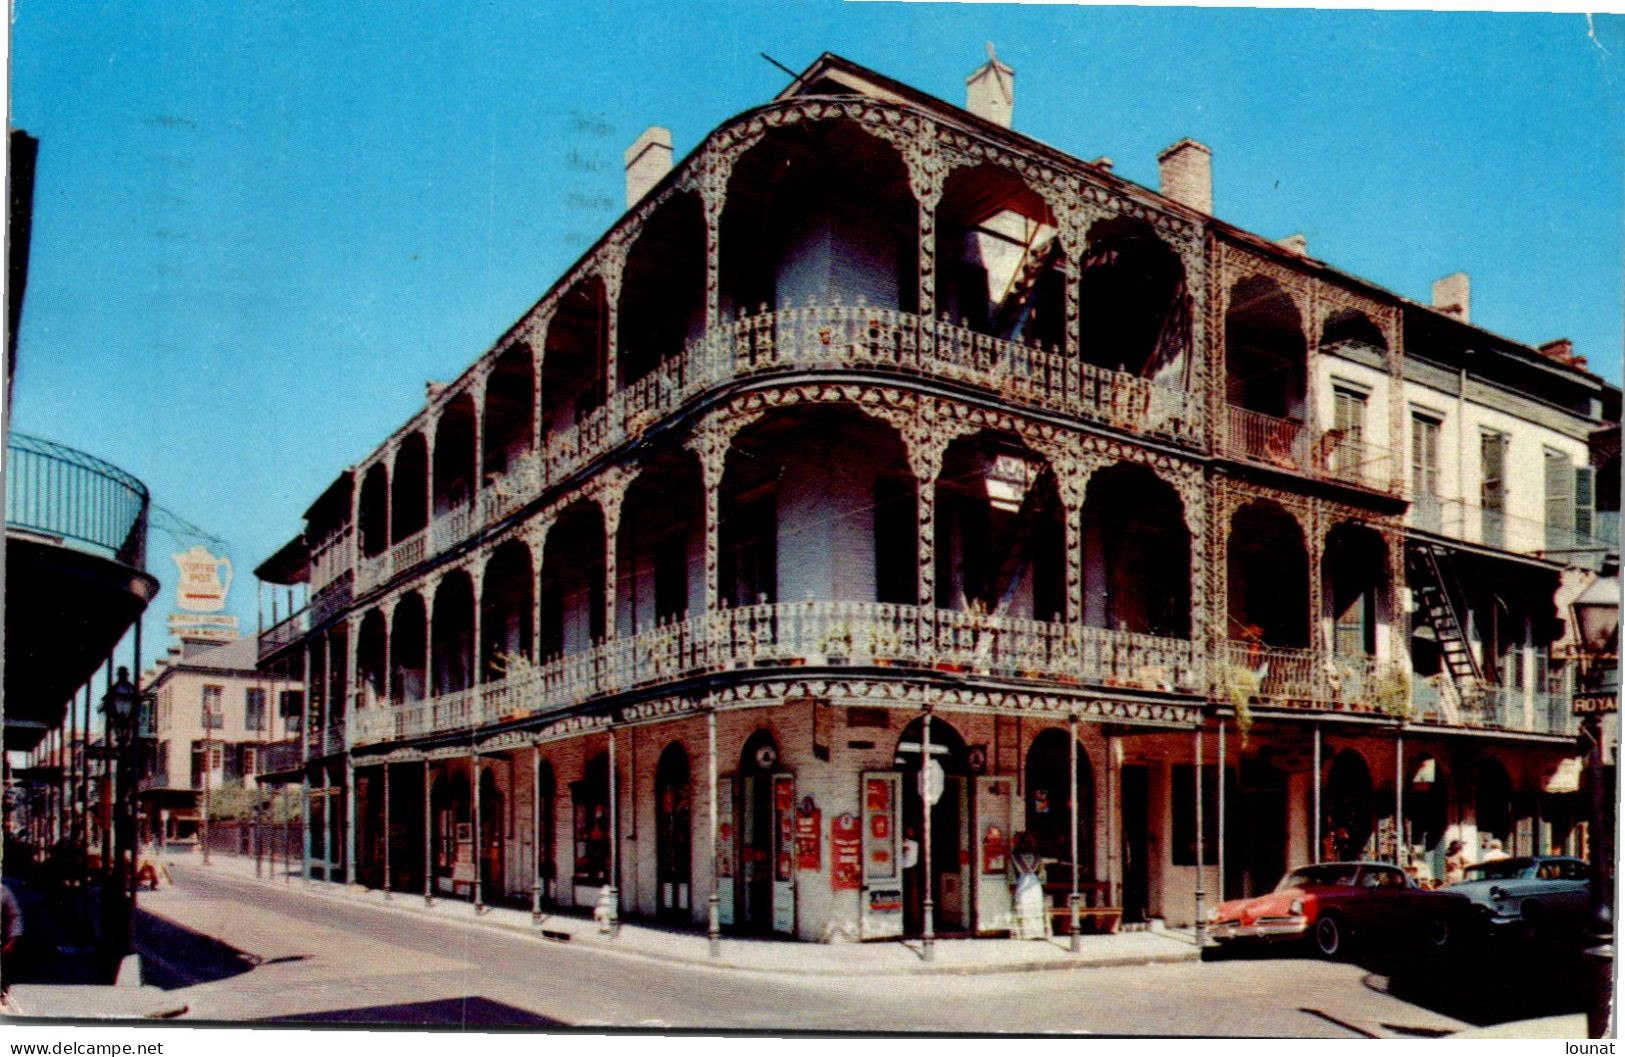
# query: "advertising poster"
809, 838
845, 853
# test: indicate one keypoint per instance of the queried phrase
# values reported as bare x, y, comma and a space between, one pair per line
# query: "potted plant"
1241, 685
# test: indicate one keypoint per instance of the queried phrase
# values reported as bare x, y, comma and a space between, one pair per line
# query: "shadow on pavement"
1475, 979
178, 957
472, 1011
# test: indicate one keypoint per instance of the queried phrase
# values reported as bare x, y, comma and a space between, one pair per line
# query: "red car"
1329, 904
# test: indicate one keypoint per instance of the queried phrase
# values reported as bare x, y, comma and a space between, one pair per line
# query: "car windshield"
1319, 876
1500, 870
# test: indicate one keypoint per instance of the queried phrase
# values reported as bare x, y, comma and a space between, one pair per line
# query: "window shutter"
1559, 501
1585, 500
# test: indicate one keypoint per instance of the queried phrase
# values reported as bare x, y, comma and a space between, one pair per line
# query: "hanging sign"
205, 581
845, 853
809, 837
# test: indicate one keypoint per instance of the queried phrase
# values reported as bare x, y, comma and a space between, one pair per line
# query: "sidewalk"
751, 954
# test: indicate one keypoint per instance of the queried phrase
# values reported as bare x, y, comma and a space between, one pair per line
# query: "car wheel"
1328, 936
1437, 932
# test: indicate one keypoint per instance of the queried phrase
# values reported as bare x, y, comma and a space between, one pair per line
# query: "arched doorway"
491, 838
1346, 827
1425, 814
674, 835
950, 821
1049, 808
590, 799
765, 893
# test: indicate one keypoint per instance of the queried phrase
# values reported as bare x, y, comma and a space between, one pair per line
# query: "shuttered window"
1492, 494
1585, 502
1559, 501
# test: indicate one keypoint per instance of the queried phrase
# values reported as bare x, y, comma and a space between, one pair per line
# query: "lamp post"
120, 709
1596, 626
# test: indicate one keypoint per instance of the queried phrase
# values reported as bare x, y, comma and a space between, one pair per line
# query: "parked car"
1330, 904
1517, 896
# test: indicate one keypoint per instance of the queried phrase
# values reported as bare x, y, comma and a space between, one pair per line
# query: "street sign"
1595, 704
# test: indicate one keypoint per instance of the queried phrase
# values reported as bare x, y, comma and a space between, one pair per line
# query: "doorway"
1257, 833
757, 763
673, 834
1049, 806
492, 832
950, 822
1135, 780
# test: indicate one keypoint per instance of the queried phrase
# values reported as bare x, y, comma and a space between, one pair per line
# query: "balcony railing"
1294, 678
1493, 707
284, 633
57, 491
1288, 444
801, 634
813, 338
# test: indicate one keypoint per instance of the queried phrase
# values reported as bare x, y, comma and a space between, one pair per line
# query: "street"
241, 951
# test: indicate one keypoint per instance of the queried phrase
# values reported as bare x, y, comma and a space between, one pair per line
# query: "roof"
238, 656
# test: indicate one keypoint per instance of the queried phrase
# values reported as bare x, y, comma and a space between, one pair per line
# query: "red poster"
879, 796
993, 850
809, 838
845, 853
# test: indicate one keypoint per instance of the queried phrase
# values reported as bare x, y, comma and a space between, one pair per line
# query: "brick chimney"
990, 92
648, 160
1452, 295
1187, 174
1562, 351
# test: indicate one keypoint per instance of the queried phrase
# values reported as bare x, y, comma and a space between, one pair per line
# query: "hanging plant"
1241, 685
1391, 692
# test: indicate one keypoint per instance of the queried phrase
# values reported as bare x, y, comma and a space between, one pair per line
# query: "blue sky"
261, 228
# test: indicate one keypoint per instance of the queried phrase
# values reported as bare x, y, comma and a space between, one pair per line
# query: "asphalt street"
240, 951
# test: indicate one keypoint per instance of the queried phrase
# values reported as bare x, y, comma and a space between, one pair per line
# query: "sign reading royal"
205, 581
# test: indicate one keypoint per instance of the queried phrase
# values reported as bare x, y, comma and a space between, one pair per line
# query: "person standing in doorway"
1032, 918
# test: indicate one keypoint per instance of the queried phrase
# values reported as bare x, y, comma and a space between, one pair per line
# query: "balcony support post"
1222, 835
612, 893
349, 820
304, 826
1314, 850
388, 859
1200, 927
1073, 929
536, 833
713, 912
428, 839
477, 893
1401, 846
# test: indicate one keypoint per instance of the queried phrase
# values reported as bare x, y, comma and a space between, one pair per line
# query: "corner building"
876, 433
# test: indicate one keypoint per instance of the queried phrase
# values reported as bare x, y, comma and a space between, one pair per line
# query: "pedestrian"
11, 936
1496, 852
1031, 917
1455, 863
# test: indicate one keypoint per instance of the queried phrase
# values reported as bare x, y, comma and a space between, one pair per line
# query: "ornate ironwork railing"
833, 336
1288, 444
58, 491
807, 634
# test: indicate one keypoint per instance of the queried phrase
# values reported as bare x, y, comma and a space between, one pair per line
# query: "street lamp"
119, 707
1595, 613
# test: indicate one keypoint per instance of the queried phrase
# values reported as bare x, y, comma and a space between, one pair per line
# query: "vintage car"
1330, 904
1520, 895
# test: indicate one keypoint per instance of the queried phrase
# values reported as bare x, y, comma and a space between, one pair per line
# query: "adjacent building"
877, 438
218, 724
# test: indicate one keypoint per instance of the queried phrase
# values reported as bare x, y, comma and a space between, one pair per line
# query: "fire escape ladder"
1019, 553
1435, 596
1013, 309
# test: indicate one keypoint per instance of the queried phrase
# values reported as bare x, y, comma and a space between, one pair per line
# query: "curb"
593, 943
